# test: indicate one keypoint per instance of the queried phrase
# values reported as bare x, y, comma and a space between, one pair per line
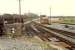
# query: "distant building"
44, 19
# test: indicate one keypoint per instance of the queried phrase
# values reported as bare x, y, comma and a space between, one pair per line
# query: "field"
69, 20
66, 20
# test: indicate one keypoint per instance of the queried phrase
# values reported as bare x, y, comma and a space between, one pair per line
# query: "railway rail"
65, 36
32, 32
45, 33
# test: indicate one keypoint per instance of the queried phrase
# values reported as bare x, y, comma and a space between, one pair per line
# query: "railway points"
42, 33
62, 37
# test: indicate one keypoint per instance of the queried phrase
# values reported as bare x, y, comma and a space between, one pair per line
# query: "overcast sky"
58, 7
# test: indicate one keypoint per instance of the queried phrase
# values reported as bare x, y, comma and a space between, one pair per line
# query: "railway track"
31, 31
42, 33
67, 37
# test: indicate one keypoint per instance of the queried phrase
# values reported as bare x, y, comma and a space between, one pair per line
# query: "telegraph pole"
20, 11
50, 15
19, 7
20, 18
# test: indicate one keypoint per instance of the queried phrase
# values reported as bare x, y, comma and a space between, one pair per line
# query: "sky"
58, 7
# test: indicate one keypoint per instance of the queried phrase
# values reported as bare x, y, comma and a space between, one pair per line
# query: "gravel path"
23, 44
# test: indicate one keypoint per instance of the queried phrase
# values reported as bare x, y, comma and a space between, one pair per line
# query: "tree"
8, 18
32, 15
